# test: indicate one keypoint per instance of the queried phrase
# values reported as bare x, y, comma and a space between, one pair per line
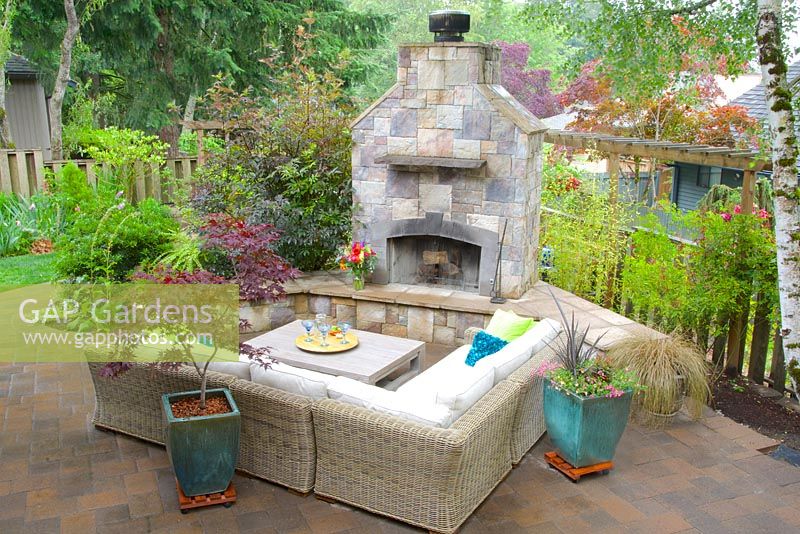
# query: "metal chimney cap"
448, 25
453, 11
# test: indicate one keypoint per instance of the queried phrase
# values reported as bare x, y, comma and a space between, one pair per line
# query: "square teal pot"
203, 450
585, 430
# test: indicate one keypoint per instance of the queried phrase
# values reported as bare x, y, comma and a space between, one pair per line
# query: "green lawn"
26, 270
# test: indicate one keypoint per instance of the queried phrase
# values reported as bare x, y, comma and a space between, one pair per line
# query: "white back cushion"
452, 383
389, 402
509, 358
292, 379
505, 361
237, 369
540, 335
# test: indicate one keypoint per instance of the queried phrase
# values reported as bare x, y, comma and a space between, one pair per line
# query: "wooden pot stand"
226, 498
575, 473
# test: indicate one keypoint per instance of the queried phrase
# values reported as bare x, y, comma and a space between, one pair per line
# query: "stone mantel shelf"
425, 161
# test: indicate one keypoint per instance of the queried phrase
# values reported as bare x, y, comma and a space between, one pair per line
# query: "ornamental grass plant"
670, 369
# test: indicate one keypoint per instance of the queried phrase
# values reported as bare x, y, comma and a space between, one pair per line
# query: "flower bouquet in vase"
360, 259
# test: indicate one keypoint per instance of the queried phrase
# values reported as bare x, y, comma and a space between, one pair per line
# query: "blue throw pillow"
483, 345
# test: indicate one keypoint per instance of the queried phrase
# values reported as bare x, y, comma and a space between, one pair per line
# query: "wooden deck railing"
22, 172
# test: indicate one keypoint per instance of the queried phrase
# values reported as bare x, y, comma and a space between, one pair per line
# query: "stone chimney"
442, 163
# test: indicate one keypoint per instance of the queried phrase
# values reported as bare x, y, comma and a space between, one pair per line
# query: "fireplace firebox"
434, 251
434, 261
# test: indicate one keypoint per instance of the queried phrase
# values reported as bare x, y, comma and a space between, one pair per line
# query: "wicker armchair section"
277, 439
528, 424
430, 477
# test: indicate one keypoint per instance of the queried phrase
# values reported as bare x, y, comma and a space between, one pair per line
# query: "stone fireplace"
443, 162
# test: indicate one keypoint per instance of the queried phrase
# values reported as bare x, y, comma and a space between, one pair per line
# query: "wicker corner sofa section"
277, 436
430, 477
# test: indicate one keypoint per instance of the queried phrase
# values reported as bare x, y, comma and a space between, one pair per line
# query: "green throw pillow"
508, 325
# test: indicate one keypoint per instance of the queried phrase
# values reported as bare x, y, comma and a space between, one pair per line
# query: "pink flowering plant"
594, 377
578, 369
761, 213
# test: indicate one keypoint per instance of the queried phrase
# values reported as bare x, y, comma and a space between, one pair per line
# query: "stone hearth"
427, 314
449, 150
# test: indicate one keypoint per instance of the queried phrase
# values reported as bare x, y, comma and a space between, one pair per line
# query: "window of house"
704, 177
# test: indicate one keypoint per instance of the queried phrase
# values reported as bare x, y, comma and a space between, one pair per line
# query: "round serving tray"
334, 344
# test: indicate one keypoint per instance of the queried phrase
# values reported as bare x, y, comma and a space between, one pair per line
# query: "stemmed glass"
324, 328
318, 320
308, 325
344, 326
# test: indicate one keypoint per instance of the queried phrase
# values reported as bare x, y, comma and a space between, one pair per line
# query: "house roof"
753, 99
19, 66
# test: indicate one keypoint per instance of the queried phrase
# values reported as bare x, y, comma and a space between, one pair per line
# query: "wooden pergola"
746, 160
613, 147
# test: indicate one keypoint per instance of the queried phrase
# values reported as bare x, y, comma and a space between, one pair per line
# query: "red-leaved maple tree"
257, 269
685, 115
530, 86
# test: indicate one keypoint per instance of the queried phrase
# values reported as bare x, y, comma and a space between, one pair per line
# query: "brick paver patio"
59, 474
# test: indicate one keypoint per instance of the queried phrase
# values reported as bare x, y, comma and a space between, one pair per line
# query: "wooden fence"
735, 332
22, 172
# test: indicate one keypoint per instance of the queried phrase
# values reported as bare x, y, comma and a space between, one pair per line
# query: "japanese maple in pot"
202, 427
202, 430
586, 399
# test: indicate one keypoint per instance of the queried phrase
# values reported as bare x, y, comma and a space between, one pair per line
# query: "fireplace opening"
434, 261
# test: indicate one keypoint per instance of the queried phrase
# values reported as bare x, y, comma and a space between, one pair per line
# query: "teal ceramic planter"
584, 430
203, 450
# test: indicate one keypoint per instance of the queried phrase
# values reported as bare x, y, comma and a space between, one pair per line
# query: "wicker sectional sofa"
423, 475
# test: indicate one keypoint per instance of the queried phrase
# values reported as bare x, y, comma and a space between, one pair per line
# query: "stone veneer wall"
432, 325
448, 104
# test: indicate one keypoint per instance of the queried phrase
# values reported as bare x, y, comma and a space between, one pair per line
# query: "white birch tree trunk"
188, 113
62, 78
784, 174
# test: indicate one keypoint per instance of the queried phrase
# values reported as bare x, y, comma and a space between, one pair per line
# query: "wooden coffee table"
372, 361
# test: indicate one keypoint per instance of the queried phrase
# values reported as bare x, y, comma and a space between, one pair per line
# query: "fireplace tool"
497, 285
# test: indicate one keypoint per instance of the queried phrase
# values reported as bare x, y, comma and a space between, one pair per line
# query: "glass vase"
358, 281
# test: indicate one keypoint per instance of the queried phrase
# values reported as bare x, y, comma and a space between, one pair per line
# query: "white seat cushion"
452, 383
440, 368
512, 356
389, 402
292, 379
